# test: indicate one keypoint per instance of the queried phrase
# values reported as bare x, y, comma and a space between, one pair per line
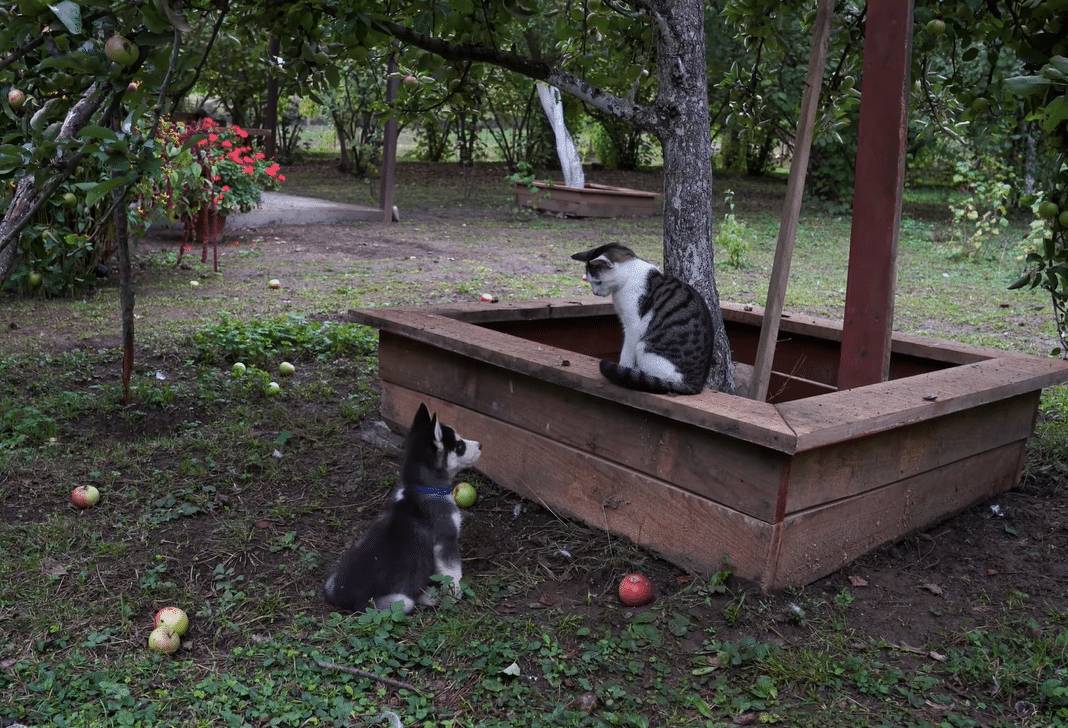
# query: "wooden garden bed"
786, 491
593, 200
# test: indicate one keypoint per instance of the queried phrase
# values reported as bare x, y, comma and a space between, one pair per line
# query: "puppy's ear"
438, 436
422, 418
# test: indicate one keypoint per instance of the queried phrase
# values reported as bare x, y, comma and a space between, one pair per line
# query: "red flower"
217, 178
240, 132
273, 169
202, 142
226, 188
207, 122
213, 138
227, 144
260, 155
281, 178
248, 170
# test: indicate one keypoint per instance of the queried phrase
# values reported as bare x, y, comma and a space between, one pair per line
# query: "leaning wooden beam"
877, 192
389, 150
795, 190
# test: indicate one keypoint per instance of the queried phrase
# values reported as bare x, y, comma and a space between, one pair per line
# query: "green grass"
232, 504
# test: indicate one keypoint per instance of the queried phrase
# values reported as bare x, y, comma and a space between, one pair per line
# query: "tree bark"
679, 118
682, 104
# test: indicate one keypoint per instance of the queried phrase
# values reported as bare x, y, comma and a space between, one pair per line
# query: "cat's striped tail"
632, 378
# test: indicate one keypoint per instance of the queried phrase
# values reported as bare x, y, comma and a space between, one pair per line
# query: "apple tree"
554, 42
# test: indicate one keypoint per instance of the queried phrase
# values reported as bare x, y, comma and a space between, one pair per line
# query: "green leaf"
1020, 282
69, 14
1060, 63
94, 195
1026, 85
176, 18
1056, 112
94, 131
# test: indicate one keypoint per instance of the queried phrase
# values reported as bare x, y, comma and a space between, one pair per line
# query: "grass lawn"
232, 504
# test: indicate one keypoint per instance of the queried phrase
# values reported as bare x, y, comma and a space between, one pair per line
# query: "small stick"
369, 676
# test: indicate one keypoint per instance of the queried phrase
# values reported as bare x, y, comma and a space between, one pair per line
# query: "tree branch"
638, 115
180, 93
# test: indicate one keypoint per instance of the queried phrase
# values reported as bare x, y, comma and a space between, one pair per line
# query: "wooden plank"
389, 147
877, 192
851, 414
739, 475
755, 422
819, 541
846, 469
911, 354
795, 190
690, 531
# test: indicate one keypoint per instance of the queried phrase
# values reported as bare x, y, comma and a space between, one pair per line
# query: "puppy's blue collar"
433, 490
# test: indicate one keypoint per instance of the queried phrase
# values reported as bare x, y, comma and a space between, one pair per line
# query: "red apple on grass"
85, 496
635, 590
173, 619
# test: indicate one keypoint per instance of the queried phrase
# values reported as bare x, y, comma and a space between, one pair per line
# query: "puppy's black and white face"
457, 452
607, 267
439, 448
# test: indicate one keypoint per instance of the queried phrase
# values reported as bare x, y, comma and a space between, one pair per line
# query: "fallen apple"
464, 494
273, 388
238, 369
286, 369
164, 641
194, 284
274, 283
635, 590
85, 496
173, 618
33, 280
120, 50
16, 97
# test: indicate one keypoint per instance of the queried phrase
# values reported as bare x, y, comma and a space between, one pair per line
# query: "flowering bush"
234, 174
205, 167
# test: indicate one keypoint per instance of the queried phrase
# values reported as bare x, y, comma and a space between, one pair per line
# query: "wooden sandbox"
785, 492
593, 200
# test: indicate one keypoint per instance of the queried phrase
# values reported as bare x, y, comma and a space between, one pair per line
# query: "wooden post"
877, 191
389, 149
795, 190
270, 111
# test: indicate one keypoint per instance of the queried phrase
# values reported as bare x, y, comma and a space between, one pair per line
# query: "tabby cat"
667, 329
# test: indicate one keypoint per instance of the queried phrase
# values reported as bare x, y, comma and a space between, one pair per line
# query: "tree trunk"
339, 127
570, 162
684, 134
270, 111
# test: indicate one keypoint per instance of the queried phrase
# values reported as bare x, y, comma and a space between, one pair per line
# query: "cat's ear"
585, 256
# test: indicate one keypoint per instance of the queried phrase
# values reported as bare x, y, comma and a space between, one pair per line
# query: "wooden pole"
877, 192
389, 149
795, 190
270, 109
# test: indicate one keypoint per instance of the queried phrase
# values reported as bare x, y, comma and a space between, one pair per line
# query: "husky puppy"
667, 329
419, 534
